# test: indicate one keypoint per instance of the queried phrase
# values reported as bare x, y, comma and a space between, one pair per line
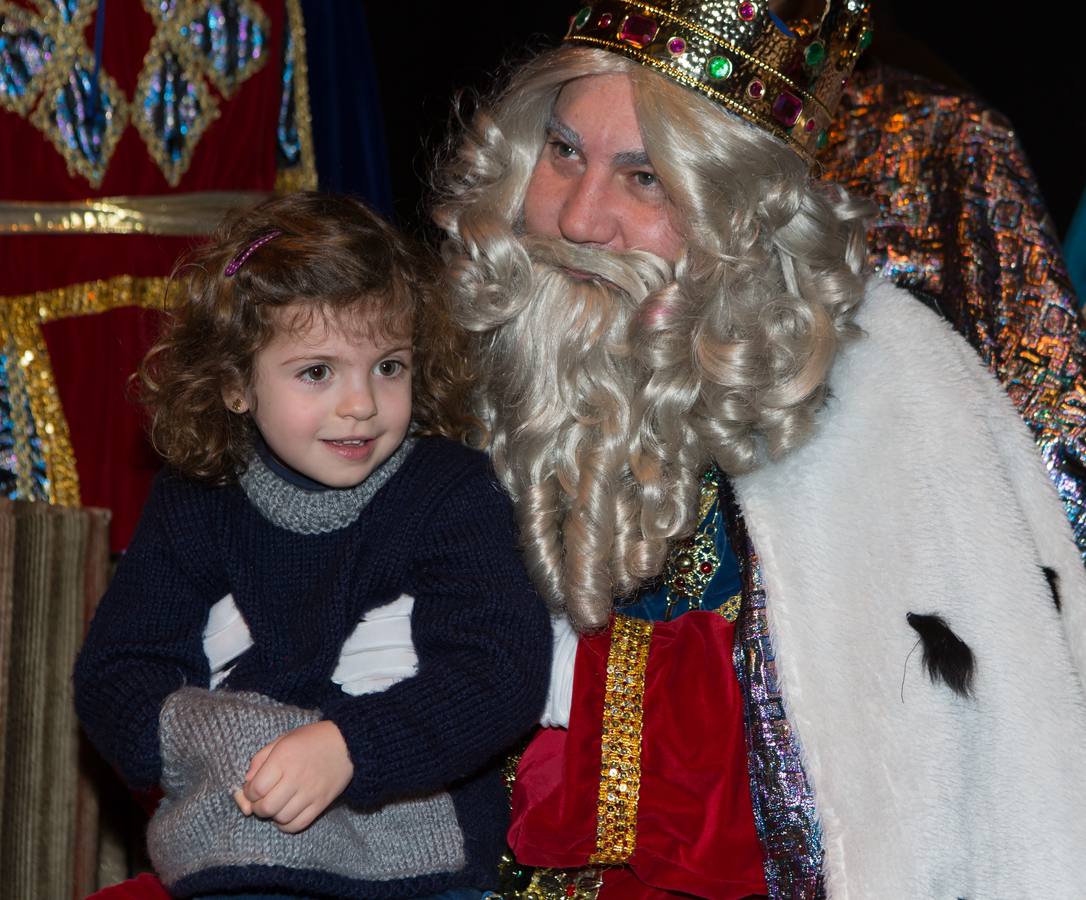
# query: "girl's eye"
389, 367
316, 373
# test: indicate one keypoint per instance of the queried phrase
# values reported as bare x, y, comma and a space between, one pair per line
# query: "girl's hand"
297, 776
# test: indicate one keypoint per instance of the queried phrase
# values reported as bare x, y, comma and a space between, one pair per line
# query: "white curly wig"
607, 399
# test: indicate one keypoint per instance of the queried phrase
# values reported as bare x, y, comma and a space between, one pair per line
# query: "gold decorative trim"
730, 47
20, 332
51, 12
88, 298
740, 109
197, 213
620, 761
187, 14
161, 50
15, 21
18, 401
783, 77
549, 884
21, 318
55, 87
302, 177
731, 607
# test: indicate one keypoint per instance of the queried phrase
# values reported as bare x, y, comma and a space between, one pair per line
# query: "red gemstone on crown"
746, 11
676, 45
787, 108
756, 89
638, 31
706, 568
605, 20
810, 125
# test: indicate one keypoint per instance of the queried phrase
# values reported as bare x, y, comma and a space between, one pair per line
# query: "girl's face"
332, 402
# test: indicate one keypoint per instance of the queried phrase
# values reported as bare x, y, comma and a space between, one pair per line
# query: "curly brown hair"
332, 255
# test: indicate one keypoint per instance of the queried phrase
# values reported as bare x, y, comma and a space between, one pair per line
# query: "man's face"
594, 184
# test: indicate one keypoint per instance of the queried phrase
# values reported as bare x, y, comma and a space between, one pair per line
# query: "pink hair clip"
238, 261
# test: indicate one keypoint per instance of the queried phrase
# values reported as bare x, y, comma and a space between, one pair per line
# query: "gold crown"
785, 77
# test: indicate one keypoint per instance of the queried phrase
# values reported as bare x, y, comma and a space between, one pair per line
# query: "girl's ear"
235, 400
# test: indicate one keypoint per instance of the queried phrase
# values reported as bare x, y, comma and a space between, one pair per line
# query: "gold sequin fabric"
620, 762
962, 221
519, 882
27, 385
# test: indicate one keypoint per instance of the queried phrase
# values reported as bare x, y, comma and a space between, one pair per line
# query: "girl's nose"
358, 402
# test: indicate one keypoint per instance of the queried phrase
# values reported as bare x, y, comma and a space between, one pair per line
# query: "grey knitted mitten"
208, 739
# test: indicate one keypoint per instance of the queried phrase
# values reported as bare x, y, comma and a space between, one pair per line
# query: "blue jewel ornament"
25, 52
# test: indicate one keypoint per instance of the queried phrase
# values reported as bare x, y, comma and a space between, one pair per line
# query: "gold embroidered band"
167, 214
303, 175
30, 370
620, 762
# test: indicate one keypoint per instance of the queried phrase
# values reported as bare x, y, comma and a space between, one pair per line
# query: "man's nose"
588, 214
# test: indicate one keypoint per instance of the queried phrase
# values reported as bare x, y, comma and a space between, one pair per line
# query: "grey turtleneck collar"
314, 512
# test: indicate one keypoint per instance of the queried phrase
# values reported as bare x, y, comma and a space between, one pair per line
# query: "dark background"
1021, 63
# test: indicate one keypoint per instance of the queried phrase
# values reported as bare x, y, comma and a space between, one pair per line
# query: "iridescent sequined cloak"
961, 220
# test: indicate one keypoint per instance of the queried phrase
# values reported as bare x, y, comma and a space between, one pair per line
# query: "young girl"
312, 514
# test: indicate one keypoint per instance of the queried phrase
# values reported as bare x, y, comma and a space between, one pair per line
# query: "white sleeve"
560, 692
380, 651
226, 637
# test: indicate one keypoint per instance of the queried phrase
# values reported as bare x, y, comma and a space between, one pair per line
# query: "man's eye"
563, 150
646, 179
389, 367
316, 373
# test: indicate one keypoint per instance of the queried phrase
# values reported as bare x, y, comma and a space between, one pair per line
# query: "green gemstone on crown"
719, 67
865, 39
582, 17
822, 139
815, 55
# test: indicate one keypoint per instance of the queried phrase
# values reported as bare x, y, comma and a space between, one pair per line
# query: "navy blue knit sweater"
441, 531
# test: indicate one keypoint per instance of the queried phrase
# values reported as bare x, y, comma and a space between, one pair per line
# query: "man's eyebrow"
627, 158
635, 158
557, 127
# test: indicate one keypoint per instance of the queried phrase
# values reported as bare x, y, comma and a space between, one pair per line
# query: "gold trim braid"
21, 337
620, 761
302, 177
197, 213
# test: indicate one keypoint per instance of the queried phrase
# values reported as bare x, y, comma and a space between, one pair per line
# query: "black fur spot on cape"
1053, 579
946, 655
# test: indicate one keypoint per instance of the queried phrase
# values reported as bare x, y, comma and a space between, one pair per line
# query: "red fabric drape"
92, 355
142, 887
695, 824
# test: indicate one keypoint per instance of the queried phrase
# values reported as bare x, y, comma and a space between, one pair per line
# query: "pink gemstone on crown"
676, 45
747, 11
786, 108
638, 31
756, 89
605, 20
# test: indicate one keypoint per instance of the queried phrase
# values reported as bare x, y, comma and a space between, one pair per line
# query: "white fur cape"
922, 492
